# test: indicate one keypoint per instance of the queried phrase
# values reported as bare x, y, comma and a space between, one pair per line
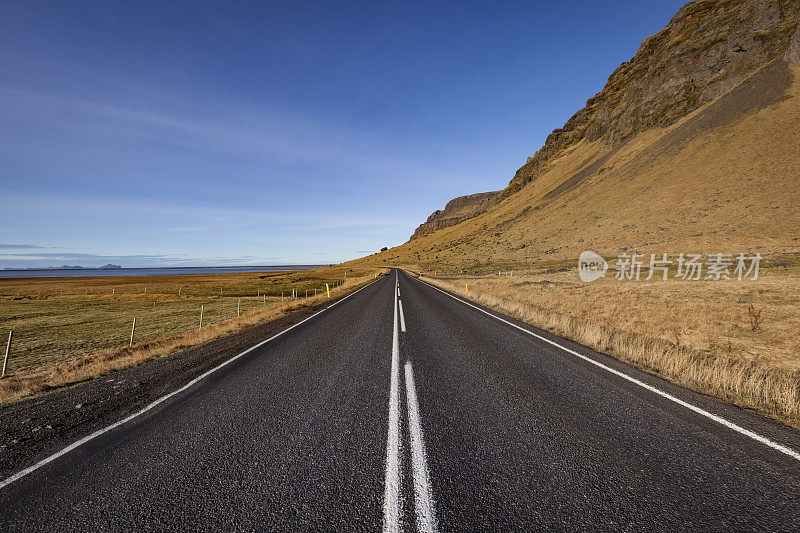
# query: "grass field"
698, 333
62, 325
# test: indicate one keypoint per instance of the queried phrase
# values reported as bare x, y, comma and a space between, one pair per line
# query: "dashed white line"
423, 497
11, 479
402, 317
392, 502
746, 432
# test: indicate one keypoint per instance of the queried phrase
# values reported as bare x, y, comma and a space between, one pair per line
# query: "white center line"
392, 502
746, 432
423, 497
402, 317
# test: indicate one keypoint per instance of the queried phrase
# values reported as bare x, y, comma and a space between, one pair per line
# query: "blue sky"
211, 133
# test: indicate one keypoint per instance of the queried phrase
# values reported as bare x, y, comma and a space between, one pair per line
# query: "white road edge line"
746, 432
392, 503
22, 473
423, 495
402, 317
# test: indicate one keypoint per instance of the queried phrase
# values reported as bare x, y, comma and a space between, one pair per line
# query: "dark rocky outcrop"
457, 210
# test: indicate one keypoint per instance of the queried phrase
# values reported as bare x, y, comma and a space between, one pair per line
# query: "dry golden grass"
77, 337
697, 334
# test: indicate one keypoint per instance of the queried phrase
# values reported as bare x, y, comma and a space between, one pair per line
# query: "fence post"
201, 316
133, 328
5, 359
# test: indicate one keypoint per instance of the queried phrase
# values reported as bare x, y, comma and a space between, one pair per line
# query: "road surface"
404, 408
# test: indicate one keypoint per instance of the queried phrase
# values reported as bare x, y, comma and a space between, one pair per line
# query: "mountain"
692, 145
457, 210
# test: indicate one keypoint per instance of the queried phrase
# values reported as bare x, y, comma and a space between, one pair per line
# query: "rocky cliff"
693, 145
457, 210
707, 48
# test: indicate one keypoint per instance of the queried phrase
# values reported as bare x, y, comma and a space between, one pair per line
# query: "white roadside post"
201, 316
133, 328
5, 359
238, 307
265, 299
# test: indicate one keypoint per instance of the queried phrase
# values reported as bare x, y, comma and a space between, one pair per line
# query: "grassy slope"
724, 179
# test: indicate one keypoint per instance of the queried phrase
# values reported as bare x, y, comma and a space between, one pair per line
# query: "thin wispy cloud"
19, 247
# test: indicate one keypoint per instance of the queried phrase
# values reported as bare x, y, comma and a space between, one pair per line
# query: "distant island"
68, 267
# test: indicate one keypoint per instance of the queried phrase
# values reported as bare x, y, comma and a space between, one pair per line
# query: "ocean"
170, 271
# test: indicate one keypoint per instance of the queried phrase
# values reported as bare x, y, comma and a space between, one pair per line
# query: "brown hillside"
707, 48
651, 165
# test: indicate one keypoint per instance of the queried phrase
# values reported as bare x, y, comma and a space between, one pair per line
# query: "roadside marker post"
133, 328
466, 285
8, 349
238, 307
328, 289
201, 316
265, 299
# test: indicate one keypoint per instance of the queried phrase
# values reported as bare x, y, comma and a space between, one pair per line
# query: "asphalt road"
404, 408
